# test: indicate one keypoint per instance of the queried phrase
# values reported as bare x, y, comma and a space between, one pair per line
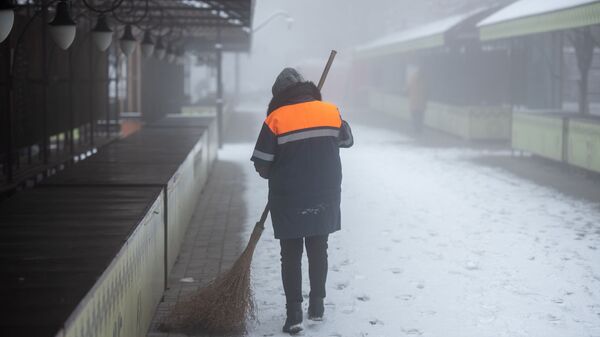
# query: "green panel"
402, 47
449, 119
584, 144
538, 134
489, 122
585, 15
469, 122
392, 104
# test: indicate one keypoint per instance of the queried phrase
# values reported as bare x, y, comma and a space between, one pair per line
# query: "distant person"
417, 99
298, 152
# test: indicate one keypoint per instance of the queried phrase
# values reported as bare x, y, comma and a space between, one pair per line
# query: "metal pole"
117, 66
237, 77
219, 48
91, 91
44, 150
9, 146
71, 110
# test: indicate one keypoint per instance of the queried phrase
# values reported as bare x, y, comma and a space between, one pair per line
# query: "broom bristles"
222, 306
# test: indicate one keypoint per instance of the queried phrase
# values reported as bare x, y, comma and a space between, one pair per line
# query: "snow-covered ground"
433, 244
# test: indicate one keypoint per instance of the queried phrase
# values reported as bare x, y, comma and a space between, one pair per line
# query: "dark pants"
291, 266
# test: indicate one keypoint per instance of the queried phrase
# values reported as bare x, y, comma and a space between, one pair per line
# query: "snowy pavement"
433, 244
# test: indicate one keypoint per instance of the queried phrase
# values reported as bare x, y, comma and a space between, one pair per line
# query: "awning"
197, 24
427, 36
537, 16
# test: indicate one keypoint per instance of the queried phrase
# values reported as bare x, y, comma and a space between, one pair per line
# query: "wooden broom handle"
263, 217
265, 213
326, 70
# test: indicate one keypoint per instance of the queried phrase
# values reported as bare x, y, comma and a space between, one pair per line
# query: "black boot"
315, 309
293, 322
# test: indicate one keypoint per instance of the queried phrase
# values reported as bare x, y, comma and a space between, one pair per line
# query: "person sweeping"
298, 152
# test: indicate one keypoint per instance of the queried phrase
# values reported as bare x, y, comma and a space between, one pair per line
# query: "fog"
472, 212
320, 26
444, 182
305, 31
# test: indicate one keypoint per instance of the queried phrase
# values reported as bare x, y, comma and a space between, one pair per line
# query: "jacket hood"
286, 78
294, 94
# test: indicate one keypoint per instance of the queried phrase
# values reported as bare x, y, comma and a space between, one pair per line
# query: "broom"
223, 306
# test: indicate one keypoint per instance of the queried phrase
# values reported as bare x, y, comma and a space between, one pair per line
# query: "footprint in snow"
396, 270
471, 265
558, 300
375, 321
345, 262
363, 298
341, 285
412, 332
552, 318
406, 297
347, 310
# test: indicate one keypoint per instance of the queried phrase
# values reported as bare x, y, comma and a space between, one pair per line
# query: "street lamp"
63, 28
288, 18
7, 19
180, 55
147, 44
128, 41
171, 54
160, 50
102, 34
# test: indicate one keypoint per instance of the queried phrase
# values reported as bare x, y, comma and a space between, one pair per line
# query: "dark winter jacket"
298, 151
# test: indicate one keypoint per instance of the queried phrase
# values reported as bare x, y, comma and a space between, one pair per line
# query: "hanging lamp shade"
102, 34
147, 44
171, 55
160, 51
63, 28
128, 41
180, 56
7, 19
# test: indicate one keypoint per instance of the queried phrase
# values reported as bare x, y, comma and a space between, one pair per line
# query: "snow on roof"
430, 29
525, 8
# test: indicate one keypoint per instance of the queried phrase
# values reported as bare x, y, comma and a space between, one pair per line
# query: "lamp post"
290, 21
288, 18
219, 101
